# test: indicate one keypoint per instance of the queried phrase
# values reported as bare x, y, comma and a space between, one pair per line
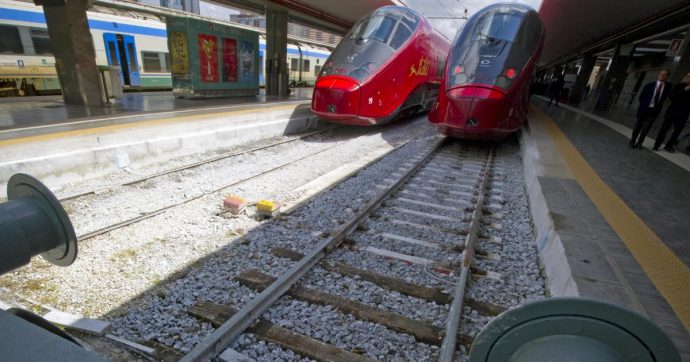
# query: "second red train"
485, 92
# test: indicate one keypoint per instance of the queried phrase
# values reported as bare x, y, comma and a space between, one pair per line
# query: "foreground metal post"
33, 222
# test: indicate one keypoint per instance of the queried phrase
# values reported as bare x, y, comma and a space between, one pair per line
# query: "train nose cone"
336, 98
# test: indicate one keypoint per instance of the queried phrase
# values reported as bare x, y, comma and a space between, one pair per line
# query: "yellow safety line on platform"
668, 273
152, 122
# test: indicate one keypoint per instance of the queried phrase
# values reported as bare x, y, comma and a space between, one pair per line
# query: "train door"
121, 51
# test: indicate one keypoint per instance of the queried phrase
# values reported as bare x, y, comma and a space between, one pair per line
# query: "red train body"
390, 62
485, 91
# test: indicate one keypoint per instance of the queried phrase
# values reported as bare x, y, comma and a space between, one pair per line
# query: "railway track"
152, 213
190, 166
416, 240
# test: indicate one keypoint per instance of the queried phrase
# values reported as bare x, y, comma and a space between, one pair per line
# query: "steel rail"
193, 165
452, 326
222, 337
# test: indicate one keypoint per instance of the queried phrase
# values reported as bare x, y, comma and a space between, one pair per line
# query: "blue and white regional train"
28, 67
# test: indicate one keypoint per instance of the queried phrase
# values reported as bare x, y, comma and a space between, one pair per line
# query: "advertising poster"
229, 60
179, 54
246, 61
208, 58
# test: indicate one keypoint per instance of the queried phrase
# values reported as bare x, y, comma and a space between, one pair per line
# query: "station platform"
41, 112
611, 222
59, 144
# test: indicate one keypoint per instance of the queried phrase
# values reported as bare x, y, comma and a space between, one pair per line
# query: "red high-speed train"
485, 93
390, 62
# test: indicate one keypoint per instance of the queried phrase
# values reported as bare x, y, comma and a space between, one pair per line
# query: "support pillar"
614, 79
586, 68
681, 63
276, 52
75, 57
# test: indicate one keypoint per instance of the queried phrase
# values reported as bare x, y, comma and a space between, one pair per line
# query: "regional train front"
485, 91
353, 86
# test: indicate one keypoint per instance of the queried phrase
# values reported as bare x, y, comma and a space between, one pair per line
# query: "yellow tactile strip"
150, 122
668, 273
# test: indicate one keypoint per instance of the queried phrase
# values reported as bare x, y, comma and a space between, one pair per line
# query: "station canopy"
575, 26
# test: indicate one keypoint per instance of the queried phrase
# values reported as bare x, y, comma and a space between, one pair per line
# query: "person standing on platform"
556, 88
676, 115
652, 98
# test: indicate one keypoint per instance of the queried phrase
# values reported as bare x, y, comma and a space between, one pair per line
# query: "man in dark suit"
651, 99
676, 115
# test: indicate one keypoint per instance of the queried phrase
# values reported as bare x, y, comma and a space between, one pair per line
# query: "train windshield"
371, 42
494, 46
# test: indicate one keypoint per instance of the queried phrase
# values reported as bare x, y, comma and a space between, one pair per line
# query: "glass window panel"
41, 41
132, 57
10, 43
152, 62
402, 33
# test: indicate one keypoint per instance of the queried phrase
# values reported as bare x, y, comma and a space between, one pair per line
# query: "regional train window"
317, 70
305, 65
132, 57
294, 64
113, 53
155, 62
10, 41
41, 41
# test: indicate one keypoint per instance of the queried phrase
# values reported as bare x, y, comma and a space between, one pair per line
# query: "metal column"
614, 79
75, 57
276, 52
582, 77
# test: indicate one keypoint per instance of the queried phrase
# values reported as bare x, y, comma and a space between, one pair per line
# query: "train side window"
402, 33
113, 53
132, 57
10, 42
294, 64
167, 62
41, 41
152, 62
440, 67
317, 70
305, 65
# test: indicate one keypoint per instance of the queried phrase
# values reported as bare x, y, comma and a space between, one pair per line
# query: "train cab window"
41, 41
10, 42
402, 33
378, 27
502, 26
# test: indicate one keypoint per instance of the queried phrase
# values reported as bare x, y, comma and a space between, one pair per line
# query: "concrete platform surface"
611, 222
